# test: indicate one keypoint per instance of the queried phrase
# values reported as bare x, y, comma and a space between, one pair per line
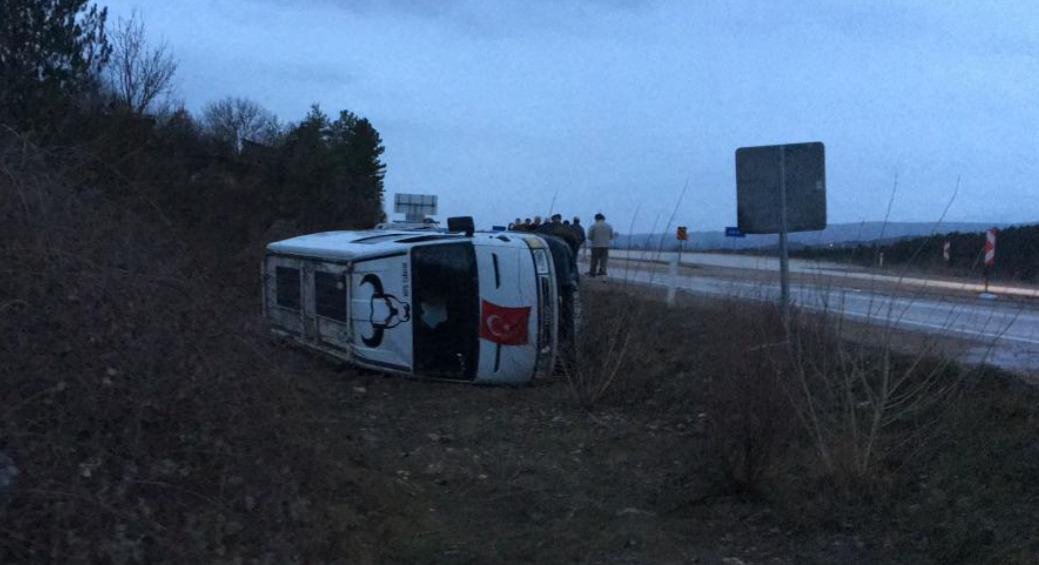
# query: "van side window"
330, 295
288, 287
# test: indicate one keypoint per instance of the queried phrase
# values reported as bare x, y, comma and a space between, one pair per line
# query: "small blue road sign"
734, 231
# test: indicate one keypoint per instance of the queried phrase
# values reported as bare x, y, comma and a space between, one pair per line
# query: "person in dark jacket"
555, 227
578, 230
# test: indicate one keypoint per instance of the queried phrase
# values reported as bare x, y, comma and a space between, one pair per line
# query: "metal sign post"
780, 189
784, 257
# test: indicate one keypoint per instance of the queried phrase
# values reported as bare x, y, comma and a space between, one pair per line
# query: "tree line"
71, 78
1017, 253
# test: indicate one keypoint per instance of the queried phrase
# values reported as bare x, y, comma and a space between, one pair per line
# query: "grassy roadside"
153, 419
949, 482
259, 452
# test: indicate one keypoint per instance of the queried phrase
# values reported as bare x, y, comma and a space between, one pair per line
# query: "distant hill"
837, 234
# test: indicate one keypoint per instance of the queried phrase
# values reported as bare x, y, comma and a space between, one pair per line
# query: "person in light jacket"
600, 234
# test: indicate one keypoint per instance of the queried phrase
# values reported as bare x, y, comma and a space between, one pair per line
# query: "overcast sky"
615, 104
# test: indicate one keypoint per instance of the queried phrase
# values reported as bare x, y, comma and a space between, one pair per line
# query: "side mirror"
461, 224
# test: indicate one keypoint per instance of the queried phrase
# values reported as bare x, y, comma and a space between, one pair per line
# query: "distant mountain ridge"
835, 234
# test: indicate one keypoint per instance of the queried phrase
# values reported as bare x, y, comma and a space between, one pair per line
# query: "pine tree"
51, 56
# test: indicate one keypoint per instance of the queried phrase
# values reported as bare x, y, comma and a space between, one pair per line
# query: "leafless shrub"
856, 410
858, 407
139, 75
609, 353
749, 422
236, 120
865, 406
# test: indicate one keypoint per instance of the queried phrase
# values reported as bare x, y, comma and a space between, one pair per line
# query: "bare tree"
139, 74
235, 120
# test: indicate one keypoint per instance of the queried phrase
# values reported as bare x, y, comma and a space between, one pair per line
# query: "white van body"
480, 308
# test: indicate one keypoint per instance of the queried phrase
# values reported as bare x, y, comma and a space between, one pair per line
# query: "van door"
326, 298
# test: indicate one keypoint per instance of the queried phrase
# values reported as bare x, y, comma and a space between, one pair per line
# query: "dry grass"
139, 398
866, 407
604, 359
852, 412
879, 436
718, 363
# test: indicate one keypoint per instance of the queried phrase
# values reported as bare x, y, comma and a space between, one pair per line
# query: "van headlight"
534, 242
540, 261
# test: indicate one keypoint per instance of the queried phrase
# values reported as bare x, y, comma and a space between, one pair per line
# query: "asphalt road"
1001, 332
807, 267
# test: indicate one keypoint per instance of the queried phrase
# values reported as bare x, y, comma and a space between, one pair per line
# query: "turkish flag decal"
504, 325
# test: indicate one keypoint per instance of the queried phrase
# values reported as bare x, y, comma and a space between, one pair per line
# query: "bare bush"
750, 422
236, 120
724, 359
608, 355
855, 407
139, 75
865, 405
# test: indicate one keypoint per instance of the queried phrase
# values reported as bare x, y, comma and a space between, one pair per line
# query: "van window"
330, 295
447, 310
287, 285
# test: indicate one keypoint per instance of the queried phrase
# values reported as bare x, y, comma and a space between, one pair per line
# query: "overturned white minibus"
477, 307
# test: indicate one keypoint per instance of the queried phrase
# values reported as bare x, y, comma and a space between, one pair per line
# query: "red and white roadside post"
990, 254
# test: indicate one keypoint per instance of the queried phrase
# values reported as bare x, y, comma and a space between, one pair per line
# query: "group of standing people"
599, 236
